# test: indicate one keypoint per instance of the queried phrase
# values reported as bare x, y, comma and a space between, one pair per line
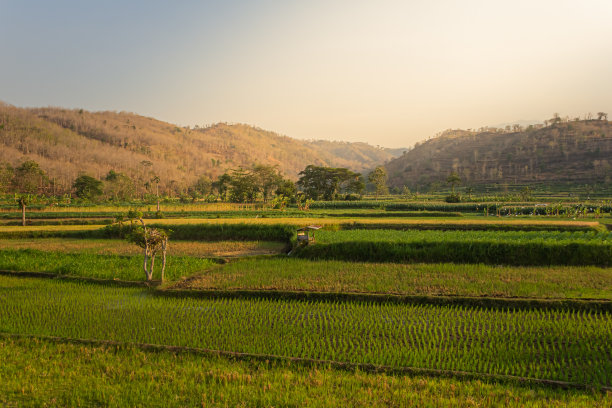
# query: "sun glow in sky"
386, 72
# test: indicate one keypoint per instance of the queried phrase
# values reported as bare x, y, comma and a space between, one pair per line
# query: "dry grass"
226, 249
11, 228
146, 207
375, 220
324, 222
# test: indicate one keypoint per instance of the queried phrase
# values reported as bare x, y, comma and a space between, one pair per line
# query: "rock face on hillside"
67, 142
568, 152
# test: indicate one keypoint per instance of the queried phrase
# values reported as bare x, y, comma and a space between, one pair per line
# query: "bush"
453, 198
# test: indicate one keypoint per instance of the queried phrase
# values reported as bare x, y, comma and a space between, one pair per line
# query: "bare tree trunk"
152, 266
146, 271
149, 274
23, 220
164, 247
157, 193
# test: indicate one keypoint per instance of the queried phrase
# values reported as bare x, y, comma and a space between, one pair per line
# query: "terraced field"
438, 279
111, 375
450, 310
550, 345
491, 247
199, 249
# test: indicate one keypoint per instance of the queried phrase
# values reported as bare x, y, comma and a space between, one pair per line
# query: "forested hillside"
68, 142
578, 152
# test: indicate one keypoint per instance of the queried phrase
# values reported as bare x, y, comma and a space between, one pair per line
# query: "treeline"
261, 182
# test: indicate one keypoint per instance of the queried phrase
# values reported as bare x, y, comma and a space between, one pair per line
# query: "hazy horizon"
389, 73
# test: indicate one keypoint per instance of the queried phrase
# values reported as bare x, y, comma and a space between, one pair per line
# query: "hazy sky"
387, 72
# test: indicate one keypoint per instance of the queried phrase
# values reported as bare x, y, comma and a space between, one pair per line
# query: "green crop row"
571, 346
467, 207
470, 226
80, 221
41, 215
490, 247
292, 274
400, 206
193, 232
129, 268
66, 374
220, 232
382, 235
366, 204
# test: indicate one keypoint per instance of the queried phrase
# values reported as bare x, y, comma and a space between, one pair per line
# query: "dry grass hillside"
68, 142
566, 152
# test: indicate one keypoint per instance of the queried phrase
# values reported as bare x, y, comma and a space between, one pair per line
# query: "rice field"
199, 249
280, 228
564, 237
391, 220
490, 247
567, 346
39, 372
446, 279
277, 350
88, 265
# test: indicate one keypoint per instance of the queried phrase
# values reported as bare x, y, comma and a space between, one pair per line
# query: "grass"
280, 228
122, 267
374, 220
491, 247
201, 230
471, 236
554, 345
291, 274
201, 249
47, 373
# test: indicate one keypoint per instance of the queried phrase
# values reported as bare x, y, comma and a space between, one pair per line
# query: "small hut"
306, 235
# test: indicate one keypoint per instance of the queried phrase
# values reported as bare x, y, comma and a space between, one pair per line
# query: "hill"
576, 152
68, 142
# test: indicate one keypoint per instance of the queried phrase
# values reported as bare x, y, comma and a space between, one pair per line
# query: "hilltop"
66, 142
575, 152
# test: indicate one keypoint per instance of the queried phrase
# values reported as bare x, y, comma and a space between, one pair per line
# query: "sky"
386, 72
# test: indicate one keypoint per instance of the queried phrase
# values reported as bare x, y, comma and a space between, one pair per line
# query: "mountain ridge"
578, 151
67, 142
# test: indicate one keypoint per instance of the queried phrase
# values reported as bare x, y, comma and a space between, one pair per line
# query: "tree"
118, 186
156, 180
87, 187
151, 240
525, 193
267, 177
355, 185
453, 179
29, 178
378, 177
203, 185
244, 186
325, 182
147, 166
555, 119
201, 188
469, 191
313, 181
602, 116
24, 200
222, 185
286, 188
6, 177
